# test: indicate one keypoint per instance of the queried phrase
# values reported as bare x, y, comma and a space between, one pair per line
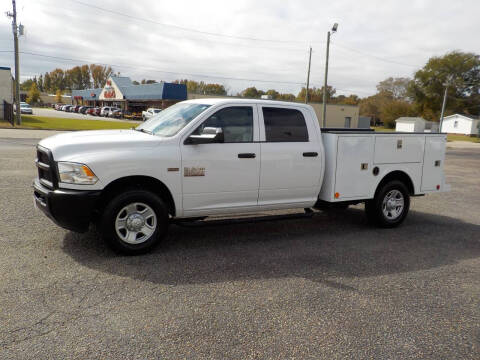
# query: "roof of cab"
219, 101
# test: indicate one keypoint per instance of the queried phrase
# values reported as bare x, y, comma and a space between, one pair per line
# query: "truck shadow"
320, 249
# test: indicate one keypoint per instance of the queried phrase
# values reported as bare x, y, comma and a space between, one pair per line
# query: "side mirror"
209, 135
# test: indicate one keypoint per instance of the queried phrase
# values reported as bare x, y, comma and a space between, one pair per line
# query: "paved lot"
322, 288
63, 114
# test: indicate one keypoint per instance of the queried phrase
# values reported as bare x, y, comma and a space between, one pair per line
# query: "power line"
374, 56
185, 28
156, 70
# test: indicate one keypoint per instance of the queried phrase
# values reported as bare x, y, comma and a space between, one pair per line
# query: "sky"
242, 43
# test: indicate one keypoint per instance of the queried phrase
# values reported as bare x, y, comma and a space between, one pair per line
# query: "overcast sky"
376, 39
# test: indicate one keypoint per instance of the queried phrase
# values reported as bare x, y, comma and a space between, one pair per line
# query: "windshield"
173, 119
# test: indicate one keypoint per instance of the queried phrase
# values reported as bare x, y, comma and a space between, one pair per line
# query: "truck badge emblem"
194, 171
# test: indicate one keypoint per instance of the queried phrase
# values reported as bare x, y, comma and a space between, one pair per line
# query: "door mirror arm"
209, 135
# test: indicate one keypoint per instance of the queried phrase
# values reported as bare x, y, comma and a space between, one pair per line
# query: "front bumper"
70, 209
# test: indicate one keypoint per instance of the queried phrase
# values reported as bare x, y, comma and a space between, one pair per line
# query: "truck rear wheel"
390, 206
134, 222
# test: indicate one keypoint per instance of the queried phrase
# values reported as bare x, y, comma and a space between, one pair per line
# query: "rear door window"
284, 125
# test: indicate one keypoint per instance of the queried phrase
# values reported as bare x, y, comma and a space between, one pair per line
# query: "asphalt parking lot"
325, 287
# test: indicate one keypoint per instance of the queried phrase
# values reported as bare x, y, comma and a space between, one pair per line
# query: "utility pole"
324, 119
13, 15
308, 74
443, 106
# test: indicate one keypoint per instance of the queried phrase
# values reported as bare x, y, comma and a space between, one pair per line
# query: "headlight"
75, 173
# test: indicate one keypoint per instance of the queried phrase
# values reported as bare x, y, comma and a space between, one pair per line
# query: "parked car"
83, 109
115, 113
75, 108
58, 107
106, 109
149, 113
67, 108
24, 108
226, 156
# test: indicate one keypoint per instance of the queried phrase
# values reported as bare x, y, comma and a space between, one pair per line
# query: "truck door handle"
246, 156
310, 154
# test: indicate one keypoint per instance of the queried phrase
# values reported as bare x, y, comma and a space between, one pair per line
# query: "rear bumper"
70, 209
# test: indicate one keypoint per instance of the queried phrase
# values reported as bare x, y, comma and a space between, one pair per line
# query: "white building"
461, 124
410, 124
415, 124
6, 87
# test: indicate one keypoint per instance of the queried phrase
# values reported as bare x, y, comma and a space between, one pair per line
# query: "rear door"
291, 159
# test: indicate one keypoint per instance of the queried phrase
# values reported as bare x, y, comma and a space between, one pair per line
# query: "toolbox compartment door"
353, 176
433, 162
397, 149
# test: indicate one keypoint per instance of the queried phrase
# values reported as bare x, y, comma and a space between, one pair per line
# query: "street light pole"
308, 74
13, 15
324, 118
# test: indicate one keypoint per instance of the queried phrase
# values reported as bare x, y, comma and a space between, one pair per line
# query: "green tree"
145, 81
47, 83
25, 85
392, 110
461, 71
33, 94
40, 82
58, 96
396, 87
286, 97
316, 94
251, 93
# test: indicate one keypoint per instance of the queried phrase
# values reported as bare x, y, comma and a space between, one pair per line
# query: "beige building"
6, 88
338, 116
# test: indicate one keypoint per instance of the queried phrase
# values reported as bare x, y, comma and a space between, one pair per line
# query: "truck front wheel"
134, 222
390, 206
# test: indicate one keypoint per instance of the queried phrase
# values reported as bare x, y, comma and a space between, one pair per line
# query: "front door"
223, 177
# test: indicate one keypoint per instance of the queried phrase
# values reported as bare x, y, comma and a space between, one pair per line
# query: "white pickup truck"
228, 156
150, 112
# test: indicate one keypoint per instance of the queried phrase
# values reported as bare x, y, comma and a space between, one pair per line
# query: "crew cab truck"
228, 156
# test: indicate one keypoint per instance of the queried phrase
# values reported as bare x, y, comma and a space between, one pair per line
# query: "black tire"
119, 202
376, 213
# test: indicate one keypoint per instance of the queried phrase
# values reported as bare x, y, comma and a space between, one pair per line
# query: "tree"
47, 83
286, 97
25, 85
144, 81
251, 93
316, 94
135, 82
396, 87
461, 71
214, 89
273, 93
58, 96
33, 94
57, 79
40, 82
100, 74
392, 110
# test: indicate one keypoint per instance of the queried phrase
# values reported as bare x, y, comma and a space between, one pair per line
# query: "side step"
205, 221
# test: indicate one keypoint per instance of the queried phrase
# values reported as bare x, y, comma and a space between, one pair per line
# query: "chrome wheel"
393, 204
135, 223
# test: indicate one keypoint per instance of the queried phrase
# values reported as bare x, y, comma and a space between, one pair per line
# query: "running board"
197, 222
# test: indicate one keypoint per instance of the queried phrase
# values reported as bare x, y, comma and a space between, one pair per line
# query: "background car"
149, 113
116, 113
106, 109
25, 108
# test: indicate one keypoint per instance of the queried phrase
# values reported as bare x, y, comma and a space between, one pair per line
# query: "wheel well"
141, 182
397, 175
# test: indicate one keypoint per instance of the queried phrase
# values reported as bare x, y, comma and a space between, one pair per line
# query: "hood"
67, 146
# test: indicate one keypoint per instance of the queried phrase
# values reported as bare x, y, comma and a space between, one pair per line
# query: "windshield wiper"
143, 130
